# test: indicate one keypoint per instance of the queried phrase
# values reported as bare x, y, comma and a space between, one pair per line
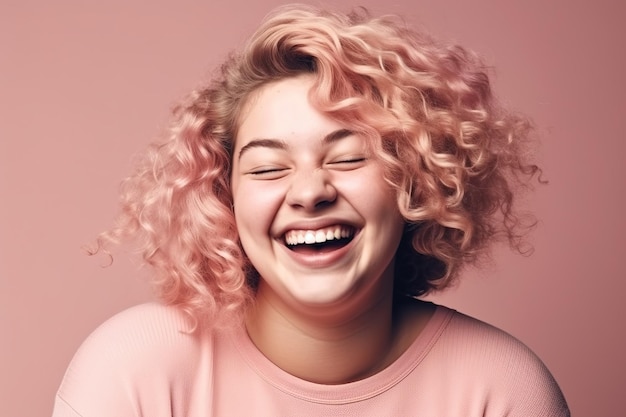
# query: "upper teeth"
309, 237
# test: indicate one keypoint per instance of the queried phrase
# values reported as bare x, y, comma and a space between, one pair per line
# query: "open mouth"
320, 240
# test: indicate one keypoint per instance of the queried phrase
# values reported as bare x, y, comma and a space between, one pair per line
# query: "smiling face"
314, 214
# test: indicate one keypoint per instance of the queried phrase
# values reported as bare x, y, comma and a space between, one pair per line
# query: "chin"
326, 292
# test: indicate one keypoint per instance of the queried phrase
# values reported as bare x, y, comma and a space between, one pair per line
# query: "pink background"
83, 88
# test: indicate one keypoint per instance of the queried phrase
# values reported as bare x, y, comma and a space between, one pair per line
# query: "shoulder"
141, 330
470, 332
510, 376
147, 347
487, 343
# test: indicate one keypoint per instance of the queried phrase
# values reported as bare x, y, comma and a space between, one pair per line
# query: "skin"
296, 171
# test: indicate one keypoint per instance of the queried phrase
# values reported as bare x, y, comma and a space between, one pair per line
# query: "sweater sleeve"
129, 367
509, 376
532, 389
63, 409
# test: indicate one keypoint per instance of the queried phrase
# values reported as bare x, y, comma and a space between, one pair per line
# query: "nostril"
324, 203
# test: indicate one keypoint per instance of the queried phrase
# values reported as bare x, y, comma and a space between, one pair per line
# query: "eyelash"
266, 171
350, 160
347, 164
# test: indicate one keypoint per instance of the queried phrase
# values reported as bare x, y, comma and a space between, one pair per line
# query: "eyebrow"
332, 137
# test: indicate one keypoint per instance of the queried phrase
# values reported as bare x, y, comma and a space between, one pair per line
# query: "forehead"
283, 110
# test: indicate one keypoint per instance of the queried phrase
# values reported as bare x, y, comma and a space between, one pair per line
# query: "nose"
311, 190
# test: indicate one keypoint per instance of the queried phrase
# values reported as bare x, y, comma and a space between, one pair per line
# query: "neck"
325, 345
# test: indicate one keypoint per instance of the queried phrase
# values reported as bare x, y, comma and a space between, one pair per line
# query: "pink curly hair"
452, 154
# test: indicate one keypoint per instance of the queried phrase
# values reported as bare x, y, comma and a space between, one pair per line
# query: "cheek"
255, 206
370, 191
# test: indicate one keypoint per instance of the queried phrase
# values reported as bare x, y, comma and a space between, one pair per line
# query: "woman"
338, 168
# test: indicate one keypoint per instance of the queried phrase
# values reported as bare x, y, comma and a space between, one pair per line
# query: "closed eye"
348, 163
268, 173
349, 160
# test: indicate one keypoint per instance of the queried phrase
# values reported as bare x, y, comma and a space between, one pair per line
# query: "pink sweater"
142, 363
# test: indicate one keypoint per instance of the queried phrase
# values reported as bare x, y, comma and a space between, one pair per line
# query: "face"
314, 214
